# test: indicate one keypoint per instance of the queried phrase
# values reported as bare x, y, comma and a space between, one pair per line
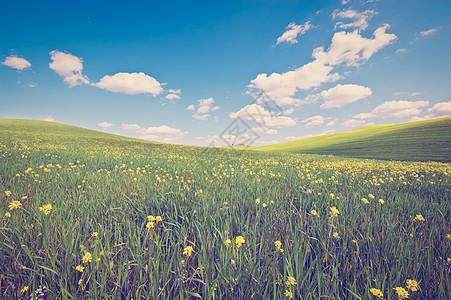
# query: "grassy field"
420, 141
94, 216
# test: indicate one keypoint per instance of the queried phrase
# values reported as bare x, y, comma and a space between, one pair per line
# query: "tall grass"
102, 190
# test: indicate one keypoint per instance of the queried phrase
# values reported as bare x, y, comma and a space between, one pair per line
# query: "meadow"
87, 215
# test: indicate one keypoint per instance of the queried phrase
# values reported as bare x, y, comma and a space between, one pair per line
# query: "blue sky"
190, 72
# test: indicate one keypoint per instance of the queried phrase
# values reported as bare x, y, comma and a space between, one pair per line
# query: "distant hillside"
422, 141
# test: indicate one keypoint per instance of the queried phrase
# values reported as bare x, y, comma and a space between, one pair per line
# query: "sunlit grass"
108, 217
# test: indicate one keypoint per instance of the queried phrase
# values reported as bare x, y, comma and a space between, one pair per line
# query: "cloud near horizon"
394, 109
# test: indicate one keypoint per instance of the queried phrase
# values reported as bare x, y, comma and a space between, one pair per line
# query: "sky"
215, 73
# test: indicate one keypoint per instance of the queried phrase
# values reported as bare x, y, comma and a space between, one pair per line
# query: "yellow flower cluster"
419, 218
152, 221
46, 209
14, 205
239, 241
188, 250
87, 257
334, 212
314, 213
401, 292
376, 292
278, 245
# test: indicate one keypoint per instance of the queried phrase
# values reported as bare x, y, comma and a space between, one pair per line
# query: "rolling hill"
422, 141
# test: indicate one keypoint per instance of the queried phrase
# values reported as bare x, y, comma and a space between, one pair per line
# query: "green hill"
422, 140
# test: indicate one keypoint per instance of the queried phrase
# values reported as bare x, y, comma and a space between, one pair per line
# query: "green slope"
422, 140
57, 129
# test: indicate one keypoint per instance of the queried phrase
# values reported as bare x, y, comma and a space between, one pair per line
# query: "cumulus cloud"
356, 123
293, 32
341, 95
49, 118
69, 67
130, 84
348, 48
400, 50
32, 85
105, 124
16, 62
315, 121
204, 106
172, 96
439, 110
262, 117
129, 127
360, 19
179, 91
395, 109
163, 130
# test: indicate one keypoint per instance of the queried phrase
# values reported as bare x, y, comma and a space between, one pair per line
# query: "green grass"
422, 141
102, 188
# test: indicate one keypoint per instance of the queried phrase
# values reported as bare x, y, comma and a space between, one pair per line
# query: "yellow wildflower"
412, 285
95, 234
332, 195
24, 289
150, 225
151, 218
24, 197
448, 236
7, 214
419, 218
314, 213
278, 245
401, 292
371, 196
239, 241
232, 261
159, 219
381, 201
80, 268
87, 257
80, 281
288, 294
291, 281
187, 251
264, 205
364, 200
334, 212
336, 235
227, 242
46, 209
376, 292
8, 193
257, 201
14, 205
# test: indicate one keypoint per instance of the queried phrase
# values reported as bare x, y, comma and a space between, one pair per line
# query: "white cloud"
428, 32
130, 84
329, 131
395, 109
204, 107
172, 96
348, 48
314, 121
177, 92
332, 123
400, 50
129, 127
356, 123
360, 18
163, 130
201, 117
262, 117
288, 111
32, 85
69, 67
344, 2
16, 62
439, 110
415, 94
293, 31
49, 118
105, 124
341, 95
264, 130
